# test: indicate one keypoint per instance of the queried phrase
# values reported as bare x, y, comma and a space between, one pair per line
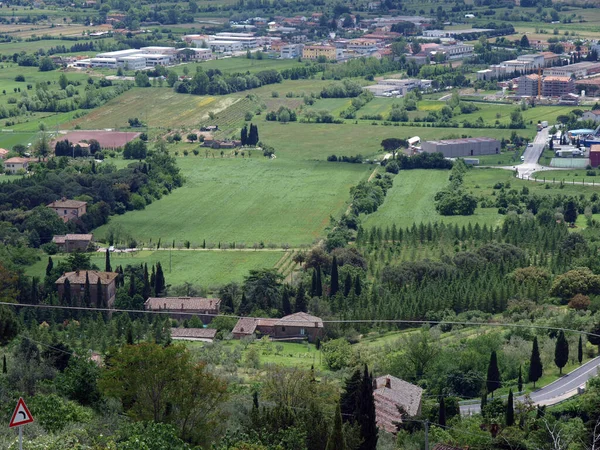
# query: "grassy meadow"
204, 268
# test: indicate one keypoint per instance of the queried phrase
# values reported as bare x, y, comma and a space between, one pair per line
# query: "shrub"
580, 302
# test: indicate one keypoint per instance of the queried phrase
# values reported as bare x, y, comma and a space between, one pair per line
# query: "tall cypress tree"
286, 306
4, 368
159, 283
535, 363
347, 285
319, 291
34, 290
510, 410
107, 266
147, 291
49, 266
153, 279
67, 293
442, 413
245, 307
561, 351
335, 282
99, 296
357, 286
580, 350
366, 414
493, 374
87, 293
132, 288
349, 398
244, 135
313, 287
520, 380
300, 299
336, 438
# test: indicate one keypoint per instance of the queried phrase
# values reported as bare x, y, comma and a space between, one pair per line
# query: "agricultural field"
207, 268
249, 200
243, 65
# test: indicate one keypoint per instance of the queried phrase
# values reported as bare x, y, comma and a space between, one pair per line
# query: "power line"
292, 321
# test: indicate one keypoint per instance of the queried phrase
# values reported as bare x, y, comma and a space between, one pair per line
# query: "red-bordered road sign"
21, 416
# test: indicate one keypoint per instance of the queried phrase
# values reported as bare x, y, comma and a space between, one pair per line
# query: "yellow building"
315, 51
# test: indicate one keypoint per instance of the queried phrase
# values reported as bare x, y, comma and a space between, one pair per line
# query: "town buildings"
145, 57
577, 70
455, 148
68, 209
77, 286
328, 52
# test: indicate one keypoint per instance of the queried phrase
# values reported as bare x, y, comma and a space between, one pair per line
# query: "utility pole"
426, 434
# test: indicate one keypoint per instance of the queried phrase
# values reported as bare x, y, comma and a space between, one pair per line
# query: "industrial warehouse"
456, 148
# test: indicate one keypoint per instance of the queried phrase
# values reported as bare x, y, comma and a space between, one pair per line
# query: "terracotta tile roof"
595, 112
4, 152
79, 237
300, 319
59, 239
64, 203
183, 303
16, 160
245, 325
595, 148
78, 277
193, 333
387, 400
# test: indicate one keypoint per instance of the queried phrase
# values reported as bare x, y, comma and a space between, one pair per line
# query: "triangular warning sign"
21, 416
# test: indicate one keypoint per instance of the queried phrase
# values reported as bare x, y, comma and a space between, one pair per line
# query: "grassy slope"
205, 268
250, 200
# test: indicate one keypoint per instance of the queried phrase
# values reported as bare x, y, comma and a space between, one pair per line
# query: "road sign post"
21, 416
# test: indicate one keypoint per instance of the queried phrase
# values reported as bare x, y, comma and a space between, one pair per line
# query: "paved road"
532, 155
562, 389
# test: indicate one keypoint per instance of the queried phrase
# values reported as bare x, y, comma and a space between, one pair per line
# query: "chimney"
165, 305
374, 383
388, 383
181, 305
316, 324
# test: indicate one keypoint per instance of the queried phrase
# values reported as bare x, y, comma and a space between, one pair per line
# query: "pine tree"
335, 282
4, 368
347, 285
580, 350
366, 414
107, 266
336, 438
561, 351
442, 413
319, 291
357, 286
300, 299
493, 374
49, 266
349, 398
520, 380
535, 364
510, 410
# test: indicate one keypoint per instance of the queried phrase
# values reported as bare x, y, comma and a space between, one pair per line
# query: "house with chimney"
393, 395
185, 307
77, 281
295, 327
68, 209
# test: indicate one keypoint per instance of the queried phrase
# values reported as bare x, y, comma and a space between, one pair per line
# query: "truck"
544, 124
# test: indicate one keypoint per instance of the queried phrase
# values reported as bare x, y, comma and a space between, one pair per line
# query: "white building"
225, 46
136, 62
109, 63
291, 51
198, 54
535, 60
457, 51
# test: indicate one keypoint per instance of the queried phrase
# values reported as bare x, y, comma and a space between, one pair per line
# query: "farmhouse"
391, 393
185, 307
193, 334
298, 326
14, 165
3, 153
68, 209
592, 115
77, 282
455, 148
73, 242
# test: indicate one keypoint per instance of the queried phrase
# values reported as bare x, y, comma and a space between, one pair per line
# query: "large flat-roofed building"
577, 70
291, 51
536, 60
329, 52
135, 62
225, 46
528, 85
453, 33
457, 148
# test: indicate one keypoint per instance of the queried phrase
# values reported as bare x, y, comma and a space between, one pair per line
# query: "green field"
203, 268
246, 200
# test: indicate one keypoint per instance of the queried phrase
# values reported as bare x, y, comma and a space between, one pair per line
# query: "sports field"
204, 268
246, 200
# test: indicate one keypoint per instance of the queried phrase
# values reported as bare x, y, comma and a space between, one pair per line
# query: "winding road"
557, 391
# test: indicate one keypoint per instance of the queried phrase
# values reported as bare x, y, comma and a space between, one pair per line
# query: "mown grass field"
204, 268
246, 200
